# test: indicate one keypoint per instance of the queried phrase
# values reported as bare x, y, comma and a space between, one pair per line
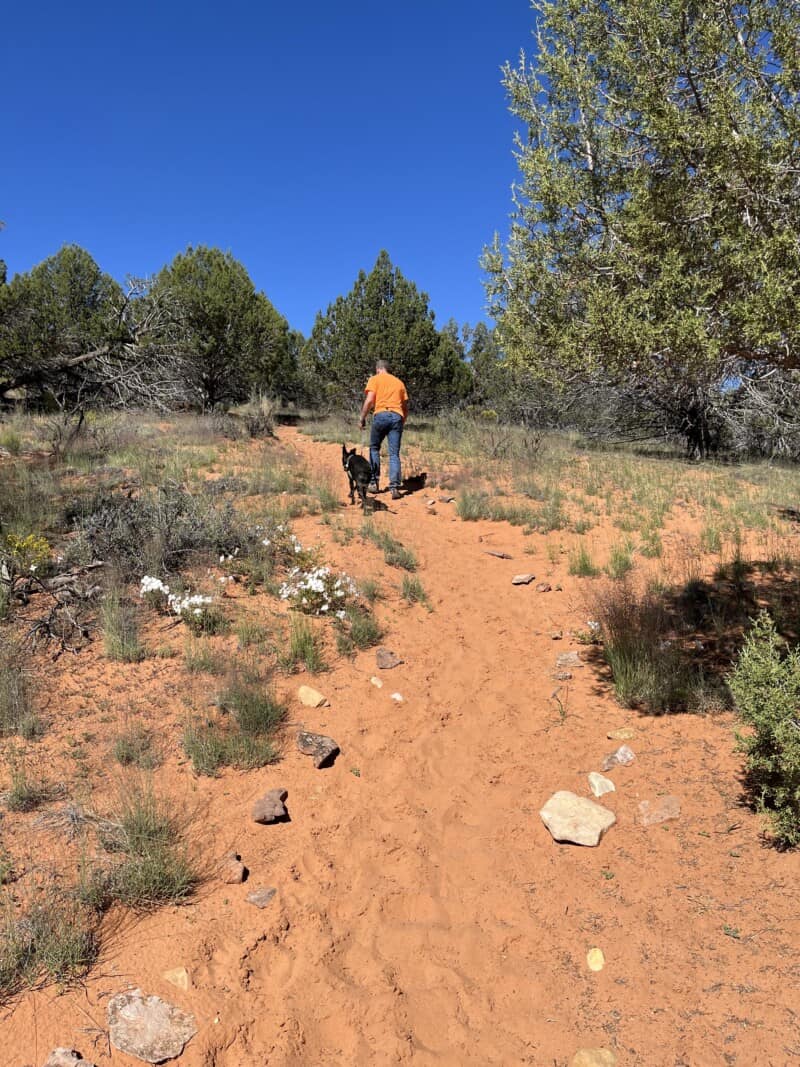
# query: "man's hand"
362, 423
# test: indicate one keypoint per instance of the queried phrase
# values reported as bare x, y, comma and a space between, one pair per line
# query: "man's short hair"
381, 364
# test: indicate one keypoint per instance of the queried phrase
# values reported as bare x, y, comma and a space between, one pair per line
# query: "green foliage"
359, 629
17, 715
414, 592
233, 339
304, 647
581, 563
135, 748
655, 227
766, 687
384, 316
54, 940
120, 629
394, 552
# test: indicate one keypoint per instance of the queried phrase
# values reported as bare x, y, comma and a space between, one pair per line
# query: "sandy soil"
423, 913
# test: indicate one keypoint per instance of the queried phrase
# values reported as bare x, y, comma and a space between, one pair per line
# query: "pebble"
562, 676
569, 659
522, 579
386, 659
497, 555
270, 807
651, 813
261, 897
376, 682
600, 785
595, 960
323, 748
398, 697
66, 1057
311, 698
575, 819
179, 977
556, 635
446, 499
622, 757
625, 733
543, 587
232, 871
148, 1027
593, 1057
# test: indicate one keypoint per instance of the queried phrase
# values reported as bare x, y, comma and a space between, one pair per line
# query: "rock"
522, 579
543, 587
622, 757
398, 697
600, 785
386, 659
593, 1057
562, 676
497, 555
65, 1057
651, 813
261, 897
270, 807
148, 1027
446, 499
576, 819
310, 697
178, 977
323, 749
569, 659
625, 733
431, 503
232, 871
556, 635
595, 960
376, 682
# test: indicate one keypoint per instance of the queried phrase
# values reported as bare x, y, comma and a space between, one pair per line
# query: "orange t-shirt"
390, 393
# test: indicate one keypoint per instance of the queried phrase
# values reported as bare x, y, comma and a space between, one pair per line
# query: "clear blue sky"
302, 137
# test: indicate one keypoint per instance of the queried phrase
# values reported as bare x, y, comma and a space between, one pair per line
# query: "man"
387, 397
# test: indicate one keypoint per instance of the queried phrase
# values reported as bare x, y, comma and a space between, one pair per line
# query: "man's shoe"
395, 493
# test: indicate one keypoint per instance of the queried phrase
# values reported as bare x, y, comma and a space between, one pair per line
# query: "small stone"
562, 676
324, 749
600, 785
398, 697
522, 579
310, 697
386, 659
232, 871
622, 757
625, 733
148, 1027
261, 897
575, 819
556, 635
431, 503
497, 555
376, 682
65, 1057
543, 587
569, 659
595, 960
446, 499
270, 807
593, 1057
178, 977
651, 813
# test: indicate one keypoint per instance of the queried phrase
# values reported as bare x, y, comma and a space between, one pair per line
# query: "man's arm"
366, 407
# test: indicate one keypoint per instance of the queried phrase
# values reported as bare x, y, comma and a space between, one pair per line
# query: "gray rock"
622, 758
576, 819
446, 499
543, 587
562, 676
148, 1027
600, 785
232, 871
569, 659
270, 807
64, 1057
261, 897
651, 813
497, 555
386, 659
556, 635
522, 579
323, 749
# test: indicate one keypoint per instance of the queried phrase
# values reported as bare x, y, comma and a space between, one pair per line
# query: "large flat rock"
148, 1027
575, 819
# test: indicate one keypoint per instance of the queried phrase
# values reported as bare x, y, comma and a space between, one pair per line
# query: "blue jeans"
386, 424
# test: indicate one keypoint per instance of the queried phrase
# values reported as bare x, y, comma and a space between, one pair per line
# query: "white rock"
310, 697
376, 682
576, 819
398, 697
148, 1027
599, 784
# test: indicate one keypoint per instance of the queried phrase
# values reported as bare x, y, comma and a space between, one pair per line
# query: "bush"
25, 794
394, 553
55, 940
414, 592
304, 647
766, 688
581, 563
120, 630
135, 748
16, 701
357, 629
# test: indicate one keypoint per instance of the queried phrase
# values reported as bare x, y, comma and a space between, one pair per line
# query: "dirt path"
424, 915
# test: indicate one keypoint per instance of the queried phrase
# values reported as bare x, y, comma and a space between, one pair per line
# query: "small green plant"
581, 563
25, 794
765, 684
54, 940
120, 629
472, 506
414, 592
394, 552
249, 632
370, 590
357, 629
136, 748
202, 658
304, 647
620, 561
16, 701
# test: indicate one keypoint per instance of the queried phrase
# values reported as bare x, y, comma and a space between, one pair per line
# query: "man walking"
387, 397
